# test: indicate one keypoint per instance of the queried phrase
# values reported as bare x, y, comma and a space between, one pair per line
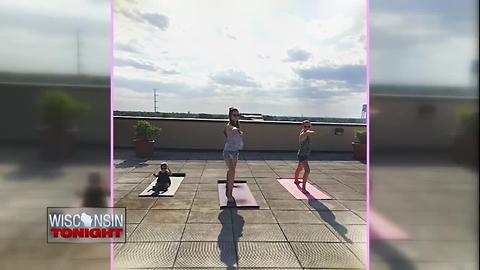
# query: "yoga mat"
176, 181
296, 190
383, 229
242, 194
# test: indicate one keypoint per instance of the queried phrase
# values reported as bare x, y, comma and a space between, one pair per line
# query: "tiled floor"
191, 231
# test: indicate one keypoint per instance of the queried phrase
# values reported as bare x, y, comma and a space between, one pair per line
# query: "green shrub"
59, 109
360, 136
145, 131
468, 119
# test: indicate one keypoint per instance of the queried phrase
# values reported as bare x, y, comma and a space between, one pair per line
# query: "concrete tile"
210, 216
267, 182
296, 216
166, 216
342, 217
130, 228
191, 180
187, 195
206, 255
138, 203
208, 232
258, 232
350, 233
286, 205
255, 216
354, 205
325, 255
308, 233
135, 216
207, 194
360, 250
199, 203
208, 187
187, 187
361, 214
272, 194
321, 205
119, 194
172, 203
146, 255
156, 232
266, 254
124, 186
262, 203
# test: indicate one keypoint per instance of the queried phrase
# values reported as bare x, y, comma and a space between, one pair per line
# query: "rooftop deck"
190, 231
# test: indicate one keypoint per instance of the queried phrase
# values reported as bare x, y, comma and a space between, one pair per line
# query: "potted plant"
466, 137
59, 113
144, 138
360, 145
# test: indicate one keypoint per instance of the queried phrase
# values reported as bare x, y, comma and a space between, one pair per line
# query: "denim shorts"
302, 158
230, 154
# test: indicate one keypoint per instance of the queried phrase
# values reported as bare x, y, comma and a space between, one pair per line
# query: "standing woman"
231, 149
304, 153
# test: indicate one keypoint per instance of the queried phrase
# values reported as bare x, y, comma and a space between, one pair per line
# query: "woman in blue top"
304, 149
231, 149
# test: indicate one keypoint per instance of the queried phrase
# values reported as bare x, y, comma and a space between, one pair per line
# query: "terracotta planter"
359, 151
144, 149
466, 149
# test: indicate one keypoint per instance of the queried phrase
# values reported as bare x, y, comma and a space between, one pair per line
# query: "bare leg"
305, 176
230, 178
297, 172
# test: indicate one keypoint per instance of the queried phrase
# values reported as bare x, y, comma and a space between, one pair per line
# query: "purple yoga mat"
243, 197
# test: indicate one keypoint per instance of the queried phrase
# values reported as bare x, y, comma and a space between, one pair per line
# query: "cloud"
126, 48
263, 56
156, 20
454, 17
159, 20
136, 64
233, 78
350, 74
230, 36
48, 24
174, 89
144, 65
297, 55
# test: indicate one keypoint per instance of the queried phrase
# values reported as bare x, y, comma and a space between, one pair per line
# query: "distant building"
252, 116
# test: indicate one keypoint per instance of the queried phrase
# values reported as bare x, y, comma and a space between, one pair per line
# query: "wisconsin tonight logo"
86, 225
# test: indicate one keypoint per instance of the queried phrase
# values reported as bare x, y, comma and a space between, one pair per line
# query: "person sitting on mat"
163, 180
95, 193
231, 149
304, 148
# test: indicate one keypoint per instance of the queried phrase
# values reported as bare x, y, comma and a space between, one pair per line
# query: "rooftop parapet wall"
201, 134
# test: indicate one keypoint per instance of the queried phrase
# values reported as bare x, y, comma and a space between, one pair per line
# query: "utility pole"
77, 39
155, 100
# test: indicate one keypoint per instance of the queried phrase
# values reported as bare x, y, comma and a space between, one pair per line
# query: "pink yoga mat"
383, 229
296, 190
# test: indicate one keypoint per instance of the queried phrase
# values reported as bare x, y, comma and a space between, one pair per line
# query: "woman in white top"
232, 148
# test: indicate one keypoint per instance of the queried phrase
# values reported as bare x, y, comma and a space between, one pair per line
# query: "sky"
41, 36
428, 42
274, 57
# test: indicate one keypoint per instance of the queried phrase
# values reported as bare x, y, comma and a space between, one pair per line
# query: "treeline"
224, 116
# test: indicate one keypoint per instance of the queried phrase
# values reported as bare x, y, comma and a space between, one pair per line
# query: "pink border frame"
112, 87
367, 89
